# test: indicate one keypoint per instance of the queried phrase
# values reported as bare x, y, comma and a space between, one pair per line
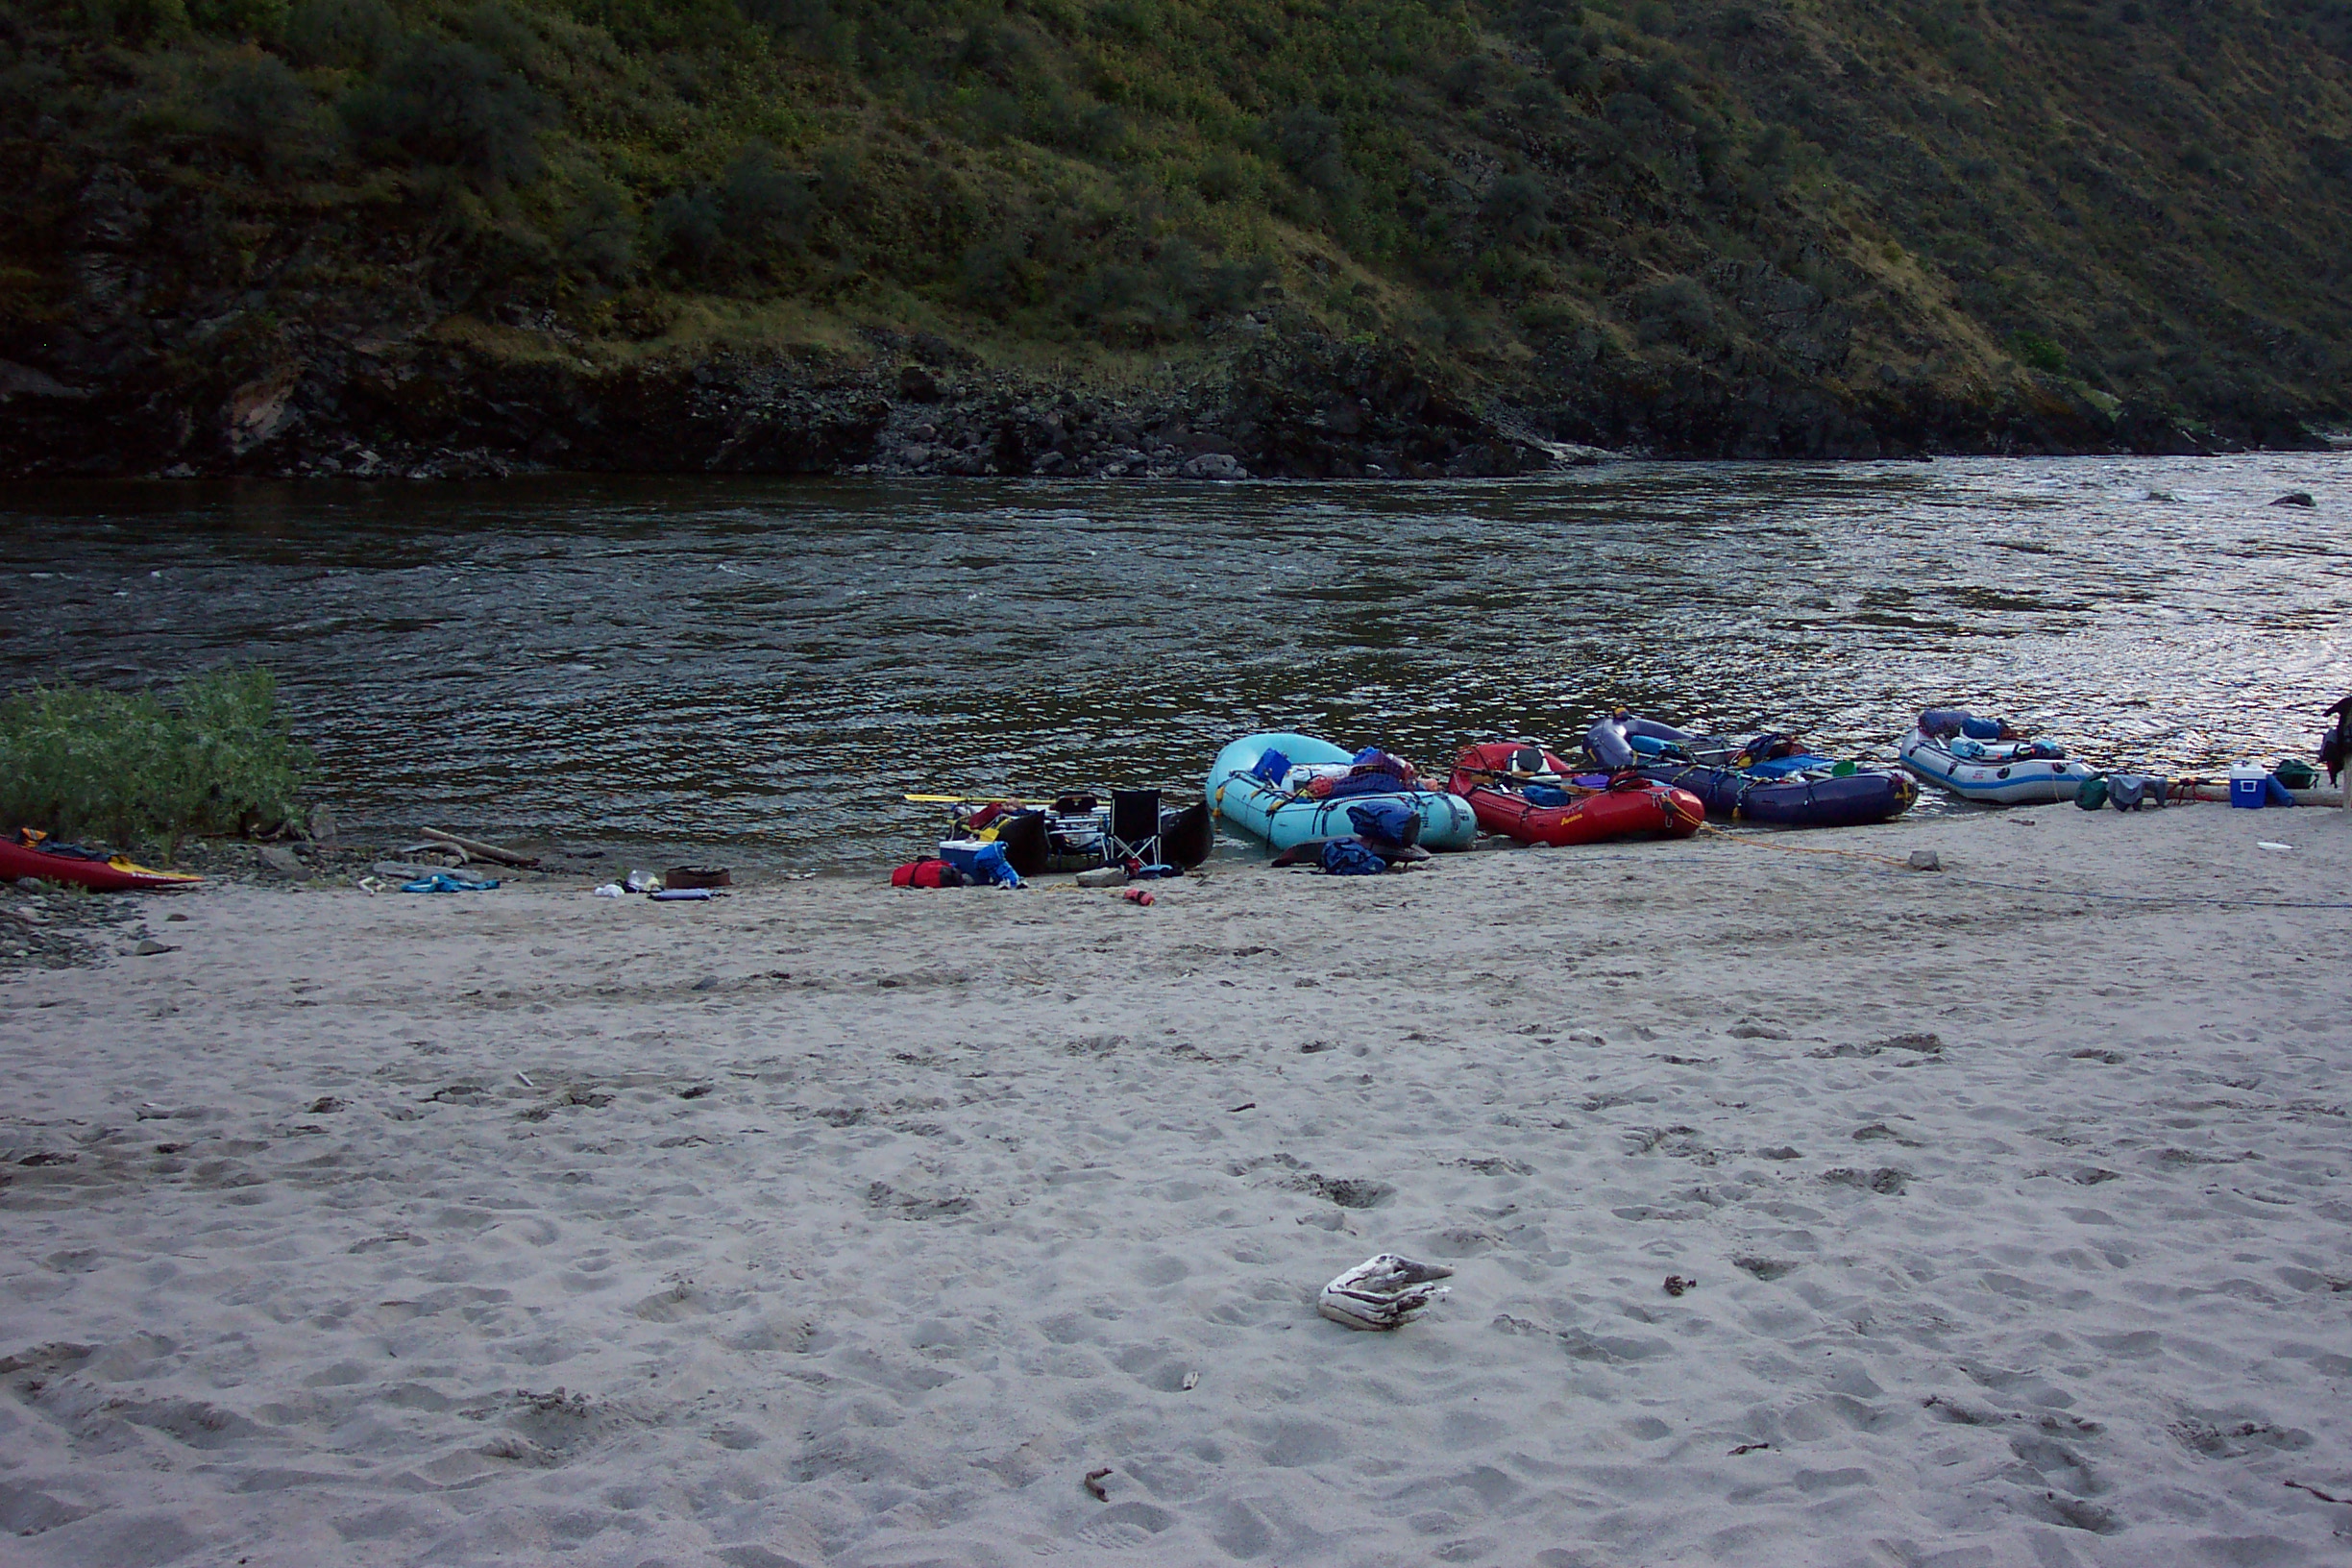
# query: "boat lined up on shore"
1523, 791
1643, 779
1266, 786
100, 871
1984, 760
1769, 780
1370, 809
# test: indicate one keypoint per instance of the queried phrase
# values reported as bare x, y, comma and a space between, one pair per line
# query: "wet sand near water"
828, 1224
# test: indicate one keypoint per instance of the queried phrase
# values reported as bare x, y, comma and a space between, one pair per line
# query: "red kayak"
116, 874
1495, 779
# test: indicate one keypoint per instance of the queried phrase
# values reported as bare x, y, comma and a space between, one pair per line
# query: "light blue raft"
1283, 820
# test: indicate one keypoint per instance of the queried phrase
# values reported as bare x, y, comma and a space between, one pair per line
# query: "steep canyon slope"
1286, 236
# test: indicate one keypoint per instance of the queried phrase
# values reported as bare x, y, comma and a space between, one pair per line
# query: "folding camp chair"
1134, 827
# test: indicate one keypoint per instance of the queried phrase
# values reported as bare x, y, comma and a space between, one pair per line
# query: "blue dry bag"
1391, 822
1347, 857
991, 866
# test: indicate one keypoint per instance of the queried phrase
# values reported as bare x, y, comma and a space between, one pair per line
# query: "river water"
767, 667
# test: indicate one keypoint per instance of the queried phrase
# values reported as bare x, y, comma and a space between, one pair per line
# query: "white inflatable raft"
1997, 772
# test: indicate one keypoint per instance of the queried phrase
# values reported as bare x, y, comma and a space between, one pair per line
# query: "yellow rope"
1806, 849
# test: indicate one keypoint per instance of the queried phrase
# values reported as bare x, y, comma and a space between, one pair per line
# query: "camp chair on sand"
1135, 826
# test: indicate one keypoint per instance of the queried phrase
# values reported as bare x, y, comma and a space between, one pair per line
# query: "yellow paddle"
967, 799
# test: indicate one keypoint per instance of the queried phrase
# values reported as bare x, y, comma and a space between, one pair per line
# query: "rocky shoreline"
1289, 404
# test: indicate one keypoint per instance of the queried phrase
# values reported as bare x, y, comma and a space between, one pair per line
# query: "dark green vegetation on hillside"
1709, 223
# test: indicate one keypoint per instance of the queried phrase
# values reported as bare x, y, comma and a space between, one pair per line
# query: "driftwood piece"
2198, 789
1382, 1291
408, 871
479, 850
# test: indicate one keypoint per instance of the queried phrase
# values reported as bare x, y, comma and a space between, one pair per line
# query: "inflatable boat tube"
1489, 777
1282, 819
1997, 772
1789, 792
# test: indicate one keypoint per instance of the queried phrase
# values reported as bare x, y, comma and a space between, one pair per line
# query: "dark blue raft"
1768, 780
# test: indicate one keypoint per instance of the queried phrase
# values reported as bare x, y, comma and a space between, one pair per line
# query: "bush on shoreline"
214, 757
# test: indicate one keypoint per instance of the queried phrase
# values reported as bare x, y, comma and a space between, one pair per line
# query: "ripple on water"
771, 664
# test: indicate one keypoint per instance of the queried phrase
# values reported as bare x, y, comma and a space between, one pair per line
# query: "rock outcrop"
463, 401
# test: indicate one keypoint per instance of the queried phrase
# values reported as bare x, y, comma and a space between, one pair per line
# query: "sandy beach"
825, 1224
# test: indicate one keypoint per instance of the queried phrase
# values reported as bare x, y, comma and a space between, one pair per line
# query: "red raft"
1494, 777
105, 875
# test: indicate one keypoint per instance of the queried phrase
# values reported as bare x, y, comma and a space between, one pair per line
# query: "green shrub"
1678, 311
133, 768
496, 27
1313, 147
996, 277
1058, 119
452, 104
1132, 304
664, 26
1227, 176
348, 34
135, 21
841, 176
1549, 318
2037, 352
261, 110
765, 206
687, 232
599, 232
1576, 71
239, 18
1464, 81
1516, 208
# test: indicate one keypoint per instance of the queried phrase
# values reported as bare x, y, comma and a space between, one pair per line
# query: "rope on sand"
2047, 893
1805, 848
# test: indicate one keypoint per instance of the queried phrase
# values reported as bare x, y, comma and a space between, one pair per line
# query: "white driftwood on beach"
2198, 789
1383, 1291
481, 850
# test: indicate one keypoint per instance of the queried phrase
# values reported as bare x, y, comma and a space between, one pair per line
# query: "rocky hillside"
1404, 237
